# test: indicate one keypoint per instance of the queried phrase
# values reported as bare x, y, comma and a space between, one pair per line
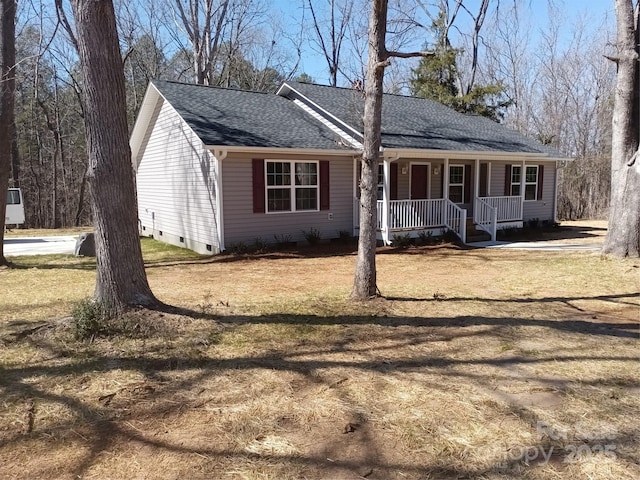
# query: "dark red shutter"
507, 181
324, 185
484, 171
358, 175
258, 185
442, 174
540, 177
467, 184
393, 180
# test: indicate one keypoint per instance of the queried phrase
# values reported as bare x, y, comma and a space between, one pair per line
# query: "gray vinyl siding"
175, 181
542, 209
404, 187
241, 225
496, 184
437, 180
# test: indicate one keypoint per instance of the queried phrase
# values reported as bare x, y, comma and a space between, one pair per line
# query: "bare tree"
331, 27
623, 236
7, 102
203, 22
364, 283
121, 279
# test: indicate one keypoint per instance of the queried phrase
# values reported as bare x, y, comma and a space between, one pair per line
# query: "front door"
419, 181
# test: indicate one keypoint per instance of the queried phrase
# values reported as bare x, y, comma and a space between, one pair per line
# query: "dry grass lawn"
482, 363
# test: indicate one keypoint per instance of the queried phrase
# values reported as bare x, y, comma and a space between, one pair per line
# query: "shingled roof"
239, 118
228, 117
417, 123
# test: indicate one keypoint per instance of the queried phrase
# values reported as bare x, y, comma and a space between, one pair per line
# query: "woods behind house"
553, 84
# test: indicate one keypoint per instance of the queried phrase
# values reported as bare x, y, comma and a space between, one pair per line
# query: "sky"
594, 12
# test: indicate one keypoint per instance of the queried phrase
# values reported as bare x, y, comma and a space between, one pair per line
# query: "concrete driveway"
63, 244
541, 246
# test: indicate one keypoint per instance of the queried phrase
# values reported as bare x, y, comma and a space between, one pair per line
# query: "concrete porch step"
475, 234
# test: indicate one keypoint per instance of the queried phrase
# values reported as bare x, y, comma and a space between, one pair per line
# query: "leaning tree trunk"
121, 279
7, 103
364, 283
623, 236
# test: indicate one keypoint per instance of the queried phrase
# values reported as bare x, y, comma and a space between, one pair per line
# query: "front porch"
482, 193
436, 215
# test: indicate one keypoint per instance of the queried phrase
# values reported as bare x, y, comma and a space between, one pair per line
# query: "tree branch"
410, 54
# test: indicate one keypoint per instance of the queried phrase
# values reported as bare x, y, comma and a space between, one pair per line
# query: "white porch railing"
485, 216
412, 214
456, 219
508, 209
422, 214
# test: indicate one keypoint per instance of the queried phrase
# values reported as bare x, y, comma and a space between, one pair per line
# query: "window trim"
461, 185
292, 187
524, 183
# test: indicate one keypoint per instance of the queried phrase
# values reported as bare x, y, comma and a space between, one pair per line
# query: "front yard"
475, 364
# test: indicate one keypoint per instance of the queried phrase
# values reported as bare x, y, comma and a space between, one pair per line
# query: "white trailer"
15, 207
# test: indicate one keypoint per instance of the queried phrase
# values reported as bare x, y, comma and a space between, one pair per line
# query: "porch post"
523, 184
476, 186
445, 179
386, 194
445, 190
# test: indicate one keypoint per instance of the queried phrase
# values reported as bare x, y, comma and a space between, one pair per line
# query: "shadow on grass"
102, 428
618, 298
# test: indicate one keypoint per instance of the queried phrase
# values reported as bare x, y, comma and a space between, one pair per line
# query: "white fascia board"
224, 150
467, 155
141, 124
286, 89
349, 139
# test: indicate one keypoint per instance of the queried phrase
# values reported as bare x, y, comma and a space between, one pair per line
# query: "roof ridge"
388, 94
214, 87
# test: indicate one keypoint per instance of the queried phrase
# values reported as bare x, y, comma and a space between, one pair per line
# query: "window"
530, 181
13, 197
292, 186
380, 181
456, 183
515, 181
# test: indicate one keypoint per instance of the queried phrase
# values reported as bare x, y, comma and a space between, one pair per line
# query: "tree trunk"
7, 104
364, 284
121, 279
623, 236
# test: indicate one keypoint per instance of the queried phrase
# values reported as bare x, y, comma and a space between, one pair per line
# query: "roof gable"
418, 123
228, 117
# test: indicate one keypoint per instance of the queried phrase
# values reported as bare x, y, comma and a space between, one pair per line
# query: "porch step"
475, 234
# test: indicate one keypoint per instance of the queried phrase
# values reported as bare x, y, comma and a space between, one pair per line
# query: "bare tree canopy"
331, 32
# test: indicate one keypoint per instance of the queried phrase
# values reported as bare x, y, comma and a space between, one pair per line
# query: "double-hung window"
530, 181
456, 183
515, 181
291, 186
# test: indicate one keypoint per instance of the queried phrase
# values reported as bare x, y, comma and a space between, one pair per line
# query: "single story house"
219, 166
